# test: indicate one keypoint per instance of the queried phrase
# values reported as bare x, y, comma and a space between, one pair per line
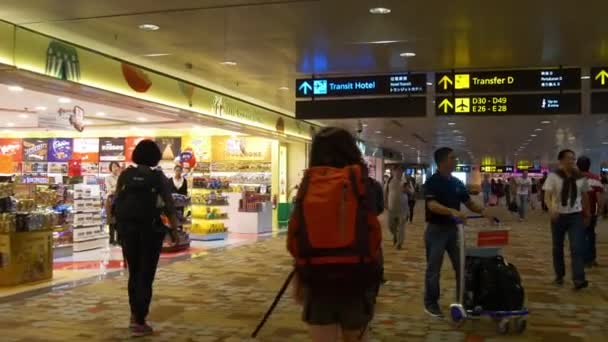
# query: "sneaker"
559, 281
132, 322
433, 310
581, 285
141, 330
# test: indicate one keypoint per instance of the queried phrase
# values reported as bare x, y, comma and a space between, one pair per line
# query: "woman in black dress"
179, 185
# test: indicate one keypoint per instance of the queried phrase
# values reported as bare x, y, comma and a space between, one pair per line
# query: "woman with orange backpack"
335, 238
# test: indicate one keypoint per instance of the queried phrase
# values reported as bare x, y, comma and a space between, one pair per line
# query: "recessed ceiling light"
605, 143
364, 125
407, 54
142, 119
64, 100
545, 122
378, 132
24, 116
538, 129
156, 54
379, 10
451, 123
532, 135
455, 131
15, 88
229, 63
283, 88
100, 114
382, 42
10, 124
389, 137
398, 141
149, 27
571, 138
40, 108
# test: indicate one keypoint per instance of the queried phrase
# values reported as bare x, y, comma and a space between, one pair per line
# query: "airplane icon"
462, 105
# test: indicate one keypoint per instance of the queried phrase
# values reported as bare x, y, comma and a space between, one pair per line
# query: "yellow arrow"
446, 104
602, 76
445, 80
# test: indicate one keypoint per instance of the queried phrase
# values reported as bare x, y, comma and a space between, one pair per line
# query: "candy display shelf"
207, 215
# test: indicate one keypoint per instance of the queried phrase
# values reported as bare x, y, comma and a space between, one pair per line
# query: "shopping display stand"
208, 216
182, 204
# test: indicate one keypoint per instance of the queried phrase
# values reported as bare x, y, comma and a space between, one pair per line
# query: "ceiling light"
571, 138
148, 27
538, 129
455, 131
451, 123
156, 54
10, 124
64, 100
586, 77
40, 108
142, 119
364, 125
378, 132
101, 114
429, 83
283, 88
379, 10
23, 116
389, 137
532, 135
398, 141
605, 143
545, 122
382, 42
407, 54
15, 88
229, 63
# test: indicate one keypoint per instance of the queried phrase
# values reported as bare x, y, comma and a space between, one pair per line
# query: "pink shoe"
141, 330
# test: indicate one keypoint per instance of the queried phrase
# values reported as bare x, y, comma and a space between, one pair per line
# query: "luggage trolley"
488, 242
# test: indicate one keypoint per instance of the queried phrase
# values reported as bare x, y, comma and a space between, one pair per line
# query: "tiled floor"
220, 296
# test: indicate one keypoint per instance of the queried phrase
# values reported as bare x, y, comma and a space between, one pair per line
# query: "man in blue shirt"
443, 194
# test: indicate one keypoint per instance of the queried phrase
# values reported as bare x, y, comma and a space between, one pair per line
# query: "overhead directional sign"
378, 107
599, 78
511, 104
463, 168
508, 80
378, 85
497, 168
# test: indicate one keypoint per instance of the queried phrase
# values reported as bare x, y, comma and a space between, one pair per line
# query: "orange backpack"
333, 232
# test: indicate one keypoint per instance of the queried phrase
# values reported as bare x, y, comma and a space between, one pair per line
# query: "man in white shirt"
568, 202
523, 185
396, 203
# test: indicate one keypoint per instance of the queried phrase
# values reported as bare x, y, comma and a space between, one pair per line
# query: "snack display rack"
87, 222
208, 214
182, 204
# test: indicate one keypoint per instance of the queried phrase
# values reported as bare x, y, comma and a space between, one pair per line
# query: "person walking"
595, 195
566, 196
486, 189
500, 192
411, 195
338, 296
508, 191
523, 194
143, 195
443, 195
541, 183
396, 202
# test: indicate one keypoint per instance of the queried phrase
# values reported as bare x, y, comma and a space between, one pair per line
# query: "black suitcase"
492, 284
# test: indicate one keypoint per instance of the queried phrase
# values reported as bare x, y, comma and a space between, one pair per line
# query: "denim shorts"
350, 311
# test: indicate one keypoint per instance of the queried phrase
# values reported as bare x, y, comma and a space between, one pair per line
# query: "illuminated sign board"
512, 104
508, 81
383, 85
604, 169
496, 168
463, 168
386, 107
599, 78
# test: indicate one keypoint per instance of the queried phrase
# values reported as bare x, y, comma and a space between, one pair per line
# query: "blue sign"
401, 84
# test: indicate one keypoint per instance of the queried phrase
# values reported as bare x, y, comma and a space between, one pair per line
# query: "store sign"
111, 149
378, 85
513, 104
86, 150
60, 149
463, 168
12, 148
35, 149
240, 148
497, 168
388, 107
508, 80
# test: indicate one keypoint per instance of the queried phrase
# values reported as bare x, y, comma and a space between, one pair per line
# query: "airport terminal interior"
235, 96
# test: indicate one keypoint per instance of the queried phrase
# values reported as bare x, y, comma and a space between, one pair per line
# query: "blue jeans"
591, 251
523, 205
438, 239
574, 226
486, 198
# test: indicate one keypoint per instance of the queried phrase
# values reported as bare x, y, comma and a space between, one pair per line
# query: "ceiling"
275, 42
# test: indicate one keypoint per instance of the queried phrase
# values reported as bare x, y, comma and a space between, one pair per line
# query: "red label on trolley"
493, 238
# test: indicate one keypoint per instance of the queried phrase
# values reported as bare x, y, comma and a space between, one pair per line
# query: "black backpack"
138, 199
493, 284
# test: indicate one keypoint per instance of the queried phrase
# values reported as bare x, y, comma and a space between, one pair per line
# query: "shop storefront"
71, 112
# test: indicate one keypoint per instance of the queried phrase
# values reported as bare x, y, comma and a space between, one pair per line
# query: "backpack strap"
362, 239
303, 244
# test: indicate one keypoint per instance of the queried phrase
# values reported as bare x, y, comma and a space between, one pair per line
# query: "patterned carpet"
222, 295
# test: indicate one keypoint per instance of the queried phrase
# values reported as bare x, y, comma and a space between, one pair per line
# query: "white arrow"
305, 87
